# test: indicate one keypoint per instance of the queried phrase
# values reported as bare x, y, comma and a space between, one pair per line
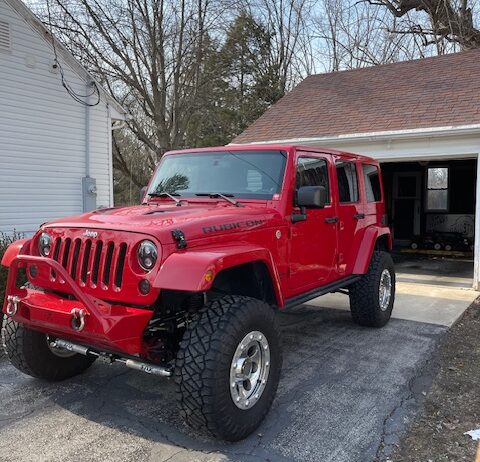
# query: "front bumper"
82, 317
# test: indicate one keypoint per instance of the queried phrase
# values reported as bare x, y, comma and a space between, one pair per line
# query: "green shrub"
5, 241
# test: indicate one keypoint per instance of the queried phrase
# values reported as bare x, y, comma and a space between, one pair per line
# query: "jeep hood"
158, 220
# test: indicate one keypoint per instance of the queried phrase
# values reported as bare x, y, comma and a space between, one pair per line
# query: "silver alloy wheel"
249, 370
60, 352
385, 289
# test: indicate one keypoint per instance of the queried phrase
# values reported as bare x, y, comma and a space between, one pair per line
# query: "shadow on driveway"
345, 395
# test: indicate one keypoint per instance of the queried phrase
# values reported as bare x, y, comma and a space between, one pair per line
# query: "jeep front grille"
96, 264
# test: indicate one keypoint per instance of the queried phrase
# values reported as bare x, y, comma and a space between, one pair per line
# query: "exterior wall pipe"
87, 131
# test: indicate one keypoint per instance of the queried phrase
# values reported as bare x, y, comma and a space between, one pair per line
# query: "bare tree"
151, 54
449, 21
355, 35
289, 24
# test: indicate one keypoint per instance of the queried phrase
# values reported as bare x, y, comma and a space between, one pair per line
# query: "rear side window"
312, 172
372, 183
347, 181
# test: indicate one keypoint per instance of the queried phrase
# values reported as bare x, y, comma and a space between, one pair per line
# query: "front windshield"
247, 174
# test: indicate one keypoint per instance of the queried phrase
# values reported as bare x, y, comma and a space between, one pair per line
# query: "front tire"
228, 367
372, 298
30, 353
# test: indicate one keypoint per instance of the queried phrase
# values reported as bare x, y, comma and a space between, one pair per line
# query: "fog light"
144, 286
34, 271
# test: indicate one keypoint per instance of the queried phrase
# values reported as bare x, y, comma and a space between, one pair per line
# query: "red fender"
20, 247
196, 270
367, 247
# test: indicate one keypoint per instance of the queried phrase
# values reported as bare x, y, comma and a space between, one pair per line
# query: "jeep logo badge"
92, 234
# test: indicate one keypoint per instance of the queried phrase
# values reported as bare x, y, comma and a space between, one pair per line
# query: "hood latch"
179, 238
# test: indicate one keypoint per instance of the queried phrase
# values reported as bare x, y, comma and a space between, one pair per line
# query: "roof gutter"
377, 136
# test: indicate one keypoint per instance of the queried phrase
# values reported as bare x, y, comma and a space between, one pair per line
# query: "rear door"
372, 185
350, 211
313, 241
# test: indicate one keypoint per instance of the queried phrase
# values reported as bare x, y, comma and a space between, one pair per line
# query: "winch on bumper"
84, 319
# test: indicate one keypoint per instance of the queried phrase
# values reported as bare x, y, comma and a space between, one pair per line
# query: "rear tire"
213, 367
368, 304
29, 352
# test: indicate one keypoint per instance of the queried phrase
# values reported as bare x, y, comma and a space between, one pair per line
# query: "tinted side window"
372, 183
347, 181
312, 172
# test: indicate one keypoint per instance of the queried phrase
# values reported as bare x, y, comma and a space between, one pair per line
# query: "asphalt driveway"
346, 394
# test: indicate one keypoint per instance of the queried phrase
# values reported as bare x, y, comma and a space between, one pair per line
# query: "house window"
437, 188
372, 183
347, 182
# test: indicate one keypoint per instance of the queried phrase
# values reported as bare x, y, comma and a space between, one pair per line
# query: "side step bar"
335, 286
131, 363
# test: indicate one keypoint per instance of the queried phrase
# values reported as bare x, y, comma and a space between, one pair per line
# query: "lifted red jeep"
186, 284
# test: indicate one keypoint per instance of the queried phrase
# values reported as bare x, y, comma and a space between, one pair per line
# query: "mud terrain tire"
29, 352
203, 366
365, 304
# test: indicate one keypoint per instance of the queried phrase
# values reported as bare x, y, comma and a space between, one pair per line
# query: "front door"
313, 242
406, 206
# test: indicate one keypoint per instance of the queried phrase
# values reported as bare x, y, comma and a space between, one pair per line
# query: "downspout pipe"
87, 130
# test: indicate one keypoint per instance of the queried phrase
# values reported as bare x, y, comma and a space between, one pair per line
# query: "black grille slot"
96, 262
108, 264
86, 259
56, 252
76, 253
120, 265
66, 251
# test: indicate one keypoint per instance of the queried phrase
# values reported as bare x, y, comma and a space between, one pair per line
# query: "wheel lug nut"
247, 402
238, 399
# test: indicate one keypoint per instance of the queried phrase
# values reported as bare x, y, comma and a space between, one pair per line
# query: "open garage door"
431, 208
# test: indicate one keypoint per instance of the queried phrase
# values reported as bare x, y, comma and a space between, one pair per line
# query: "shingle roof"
432, 92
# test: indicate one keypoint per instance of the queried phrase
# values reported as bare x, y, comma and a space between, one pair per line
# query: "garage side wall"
43, 133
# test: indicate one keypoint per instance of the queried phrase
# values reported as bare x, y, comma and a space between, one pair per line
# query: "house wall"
43, 135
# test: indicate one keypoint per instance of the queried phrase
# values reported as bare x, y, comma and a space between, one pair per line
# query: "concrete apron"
434, 299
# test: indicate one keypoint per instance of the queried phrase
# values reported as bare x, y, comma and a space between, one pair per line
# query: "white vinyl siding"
42, 134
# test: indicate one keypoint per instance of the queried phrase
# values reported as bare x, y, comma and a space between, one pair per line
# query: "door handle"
331, 220
359, 216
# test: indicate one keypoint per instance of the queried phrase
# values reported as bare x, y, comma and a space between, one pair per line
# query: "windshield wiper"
178, 202
226, 196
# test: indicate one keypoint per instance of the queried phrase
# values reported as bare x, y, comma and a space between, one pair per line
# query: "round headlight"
147, 255
44, 245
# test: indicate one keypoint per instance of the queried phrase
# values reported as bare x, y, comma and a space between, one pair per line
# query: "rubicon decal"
231, 226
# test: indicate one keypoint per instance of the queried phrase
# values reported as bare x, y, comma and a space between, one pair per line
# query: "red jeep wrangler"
186, 284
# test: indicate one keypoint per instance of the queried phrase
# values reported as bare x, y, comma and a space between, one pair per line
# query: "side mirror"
143, 192
312, 196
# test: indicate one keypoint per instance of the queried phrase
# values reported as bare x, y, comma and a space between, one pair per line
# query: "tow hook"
12, 305
78, 319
